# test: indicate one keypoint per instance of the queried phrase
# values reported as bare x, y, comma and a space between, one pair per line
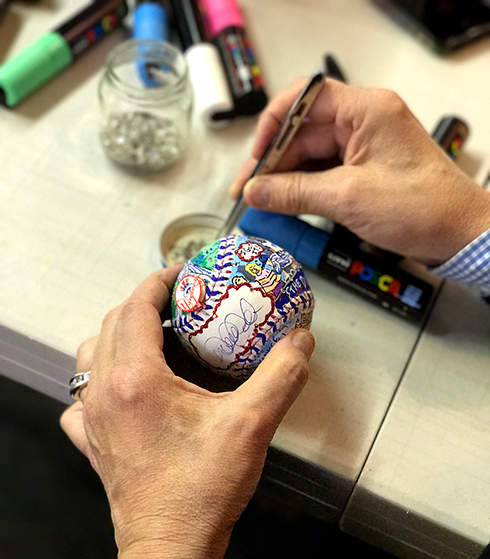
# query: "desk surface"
426, 485
77, 233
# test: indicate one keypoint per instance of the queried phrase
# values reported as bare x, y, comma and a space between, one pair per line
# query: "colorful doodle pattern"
255, 294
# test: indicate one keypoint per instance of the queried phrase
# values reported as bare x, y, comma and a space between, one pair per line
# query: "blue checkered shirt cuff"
469, 265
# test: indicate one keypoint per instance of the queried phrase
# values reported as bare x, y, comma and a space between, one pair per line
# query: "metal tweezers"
279, 143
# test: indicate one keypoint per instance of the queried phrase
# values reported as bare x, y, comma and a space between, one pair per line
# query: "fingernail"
258, 192
304, 341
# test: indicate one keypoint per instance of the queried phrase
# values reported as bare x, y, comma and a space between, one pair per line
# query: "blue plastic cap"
150, 22
303, 241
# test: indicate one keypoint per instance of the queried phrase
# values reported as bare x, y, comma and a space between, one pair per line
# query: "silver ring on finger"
77, 382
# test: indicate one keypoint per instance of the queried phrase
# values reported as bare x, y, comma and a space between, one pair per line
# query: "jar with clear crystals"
145, 100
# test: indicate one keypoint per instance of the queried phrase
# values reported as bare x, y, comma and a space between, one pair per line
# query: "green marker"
53, 52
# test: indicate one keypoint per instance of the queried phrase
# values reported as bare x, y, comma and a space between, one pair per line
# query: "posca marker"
226, 27
374, 278
212, 96
451, 133
54, 51
149, 22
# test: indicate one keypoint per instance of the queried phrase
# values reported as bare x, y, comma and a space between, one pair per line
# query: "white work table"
384, 406
425, 486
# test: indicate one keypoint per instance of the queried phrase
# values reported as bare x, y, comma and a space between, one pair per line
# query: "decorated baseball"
234, 300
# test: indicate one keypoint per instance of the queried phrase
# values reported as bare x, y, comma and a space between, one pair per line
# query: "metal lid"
184, 237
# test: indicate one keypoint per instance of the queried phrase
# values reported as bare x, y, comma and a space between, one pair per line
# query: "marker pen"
150, 21
212, 96
4, 4
54, 51
451, 133
226, 27
374, 278
332, 69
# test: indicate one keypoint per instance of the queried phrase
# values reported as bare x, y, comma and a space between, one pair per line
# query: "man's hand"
179, 464
395, 188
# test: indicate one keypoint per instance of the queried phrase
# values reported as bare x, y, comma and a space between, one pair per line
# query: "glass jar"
145, 100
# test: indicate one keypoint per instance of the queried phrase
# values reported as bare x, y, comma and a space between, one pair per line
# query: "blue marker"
374, 278
150, 21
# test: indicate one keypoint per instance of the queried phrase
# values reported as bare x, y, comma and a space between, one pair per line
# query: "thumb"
279, 379
321, 193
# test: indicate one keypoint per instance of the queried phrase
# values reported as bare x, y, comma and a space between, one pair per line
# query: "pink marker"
226, 28
222, 14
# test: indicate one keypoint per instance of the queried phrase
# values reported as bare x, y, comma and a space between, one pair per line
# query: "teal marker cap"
38, 63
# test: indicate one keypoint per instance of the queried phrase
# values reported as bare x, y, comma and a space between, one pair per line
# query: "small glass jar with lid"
145, 100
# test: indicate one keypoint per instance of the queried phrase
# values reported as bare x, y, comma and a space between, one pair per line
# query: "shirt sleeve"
469, 265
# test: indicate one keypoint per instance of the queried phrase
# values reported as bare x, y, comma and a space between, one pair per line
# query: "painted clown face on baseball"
235, 299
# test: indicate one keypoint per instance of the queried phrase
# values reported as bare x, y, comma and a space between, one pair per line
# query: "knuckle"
128, 311
391, 102
84, 351
111, 316
293, 193
346, 200
161, 277
264, 118
124, 387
